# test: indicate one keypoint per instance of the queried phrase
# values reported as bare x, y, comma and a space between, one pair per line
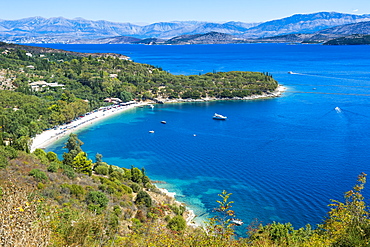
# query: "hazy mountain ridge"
62, 30
307, 23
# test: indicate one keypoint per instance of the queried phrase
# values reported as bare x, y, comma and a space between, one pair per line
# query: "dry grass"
21, 224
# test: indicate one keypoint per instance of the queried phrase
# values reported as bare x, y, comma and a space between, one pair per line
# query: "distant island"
300, 28
350, 40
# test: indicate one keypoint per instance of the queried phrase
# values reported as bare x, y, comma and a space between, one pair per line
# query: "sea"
282, 159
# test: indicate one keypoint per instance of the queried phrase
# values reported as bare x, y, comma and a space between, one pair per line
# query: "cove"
283, 159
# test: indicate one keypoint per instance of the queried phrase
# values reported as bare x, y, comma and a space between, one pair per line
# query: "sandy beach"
49, 136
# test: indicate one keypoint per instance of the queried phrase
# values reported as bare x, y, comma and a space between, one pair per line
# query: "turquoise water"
283, 159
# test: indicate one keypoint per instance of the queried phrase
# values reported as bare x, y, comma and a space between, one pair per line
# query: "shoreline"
189, 214
48, 137
276, 93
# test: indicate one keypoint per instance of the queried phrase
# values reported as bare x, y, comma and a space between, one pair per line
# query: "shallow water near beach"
282, 159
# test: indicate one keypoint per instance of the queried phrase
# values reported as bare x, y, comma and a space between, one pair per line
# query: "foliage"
39, 175
177, 223
221, 226
73, 145
143, 198
97, 201
81, 164
52, 157
101, 169
41, 154
53, 167
348, 223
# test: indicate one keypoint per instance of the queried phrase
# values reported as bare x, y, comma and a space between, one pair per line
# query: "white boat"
219, 117
237, 222
164, 122
151, 131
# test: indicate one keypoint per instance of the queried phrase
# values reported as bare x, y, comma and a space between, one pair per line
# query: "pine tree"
74, 147
81, 164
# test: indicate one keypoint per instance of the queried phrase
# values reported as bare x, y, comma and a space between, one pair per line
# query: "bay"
282, 159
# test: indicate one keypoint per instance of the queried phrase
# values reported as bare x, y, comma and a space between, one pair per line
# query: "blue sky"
150, 11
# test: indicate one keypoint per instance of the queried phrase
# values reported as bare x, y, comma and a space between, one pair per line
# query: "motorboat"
219, 117
151, 131
237, 222
163, 122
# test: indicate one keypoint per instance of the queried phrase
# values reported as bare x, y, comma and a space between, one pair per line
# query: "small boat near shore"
219, 117
237, 222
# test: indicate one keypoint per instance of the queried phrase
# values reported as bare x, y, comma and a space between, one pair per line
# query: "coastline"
50, 136
189, 214
276, 93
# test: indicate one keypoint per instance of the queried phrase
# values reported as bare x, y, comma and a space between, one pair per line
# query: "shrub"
53, 167
52, 157
135, 187
177, 223
41, 154
70, 174
3, 162
116, 175
101, 169
97, 201
143, 198
178, 210
75, 189
9, 152
39, 175
68, 171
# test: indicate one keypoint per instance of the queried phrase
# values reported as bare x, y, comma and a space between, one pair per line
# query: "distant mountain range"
319, 27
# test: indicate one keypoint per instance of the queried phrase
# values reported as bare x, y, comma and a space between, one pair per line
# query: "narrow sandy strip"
49, 136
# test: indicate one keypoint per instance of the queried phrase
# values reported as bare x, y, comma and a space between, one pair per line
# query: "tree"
221, 226
74, 147
81, 164
126, 96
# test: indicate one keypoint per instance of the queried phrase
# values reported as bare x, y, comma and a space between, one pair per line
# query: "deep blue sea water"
282, 159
